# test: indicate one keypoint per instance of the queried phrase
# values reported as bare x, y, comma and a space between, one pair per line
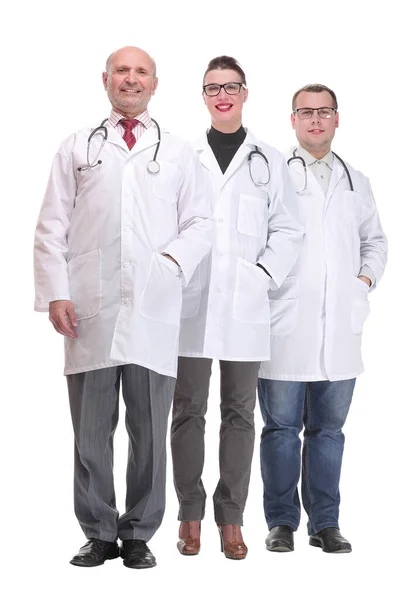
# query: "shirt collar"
143, 117
310, 159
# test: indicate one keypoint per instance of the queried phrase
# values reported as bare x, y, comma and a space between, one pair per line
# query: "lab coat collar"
310, 159
296, 170
208, 159
147, 139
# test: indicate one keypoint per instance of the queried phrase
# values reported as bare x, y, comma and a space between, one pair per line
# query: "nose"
131, 76
315, 118
222, 95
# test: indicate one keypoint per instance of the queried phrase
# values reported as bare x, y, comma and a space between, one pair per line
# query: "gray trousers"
94, 408
238, 396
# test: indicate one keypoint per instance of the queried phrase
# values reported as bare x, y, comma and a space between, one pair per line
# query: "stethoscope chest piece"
153, 167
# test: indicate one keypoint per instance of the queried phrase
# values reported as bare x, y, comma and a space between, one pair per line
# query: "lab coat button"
125, 300
220, 220
126, 264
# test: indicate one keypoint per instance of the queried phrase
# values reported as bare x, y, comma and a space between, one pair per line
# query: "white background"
52, 58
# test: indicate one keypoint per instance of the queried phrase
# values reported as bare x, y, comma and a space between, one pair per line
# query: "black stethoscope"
152, 167
303, 162
257, 153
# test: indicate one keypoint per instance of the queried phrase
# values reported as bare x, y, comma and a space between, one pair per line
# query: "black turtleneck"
225, 145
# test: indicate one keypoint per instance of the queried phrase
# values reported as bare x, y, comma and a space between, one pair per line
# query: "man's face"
315, 134
225, 108
130, 82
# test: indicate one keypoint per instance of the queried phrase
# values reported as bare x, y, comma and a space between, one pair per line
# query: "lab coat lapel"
115, 138
147, 139
296, 170
237, 161
208, 160
337, 174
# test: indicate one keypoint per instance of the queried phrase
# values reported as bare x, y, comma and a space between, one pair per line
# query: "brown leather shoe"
232, 544
189, 538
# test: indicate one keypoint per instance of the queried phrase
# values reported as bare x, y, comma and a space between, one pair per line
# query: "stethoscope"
303, 162
257, 153
152, 167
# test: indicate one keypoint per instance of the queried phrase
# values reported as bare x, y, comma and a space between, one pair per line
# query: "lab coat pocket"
192, 296
352, 207
251, 215
84, 276
284, 305
161, 298
167, 182
361, 306
250, 298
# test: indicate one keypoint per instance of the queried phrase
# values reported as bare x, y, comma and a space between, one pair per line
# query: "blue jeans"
321, 407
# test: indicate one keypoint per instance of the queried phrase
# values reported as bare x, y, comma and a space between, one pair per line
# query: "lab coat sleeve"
195, 218
373, 242
285, 234
50, 249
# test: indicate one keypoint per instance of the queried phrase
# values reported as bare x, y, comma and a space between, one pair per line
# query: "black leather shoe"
136, 555
280, 539
95, 552
330, 540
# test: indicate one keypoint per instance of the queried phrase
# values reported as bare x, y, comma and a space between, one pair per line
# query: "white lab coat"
320, 310
225, 312
99, 240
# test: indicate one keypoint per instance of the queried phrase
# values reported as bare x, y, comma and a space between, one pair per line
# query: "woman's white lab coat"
99, 241
320, 310
226, 312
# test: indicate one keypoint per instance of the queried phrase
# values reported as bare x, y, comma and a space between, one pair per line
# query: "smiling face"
315, 134
130, 81
225, 109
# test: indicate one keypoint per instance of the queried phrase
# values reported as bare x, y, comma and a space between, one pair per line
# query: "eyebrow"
313, 108
140, 68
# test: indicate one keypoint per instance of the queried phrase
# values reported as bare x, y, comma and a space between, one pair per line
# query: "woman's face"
225, 109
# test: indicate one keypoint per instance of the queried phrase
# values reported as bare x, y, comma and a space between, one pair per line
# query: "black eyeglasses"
232, 88
324, 112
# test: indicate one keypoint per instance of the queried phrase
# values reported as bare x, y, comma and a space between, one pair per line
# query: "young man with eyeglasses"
316, 326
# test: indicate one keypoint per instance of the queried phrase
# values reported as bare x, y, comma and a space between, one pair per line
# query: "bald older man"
123, 225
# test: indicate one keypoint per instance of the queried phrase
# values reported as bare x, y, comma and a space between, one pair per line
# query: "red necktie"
128, 125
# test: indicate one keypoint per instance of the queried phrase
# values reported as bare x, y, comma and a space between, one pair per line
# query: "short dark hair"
225, 62
317, 88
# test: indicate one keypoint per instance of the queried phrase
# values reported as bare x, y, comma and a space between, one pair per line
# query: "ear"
337, 120
293, 120
155, 84
204, 97
246, 94
105, 78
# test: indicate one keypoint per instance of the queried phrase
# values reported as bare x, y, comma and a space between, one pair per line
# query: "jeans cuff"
278, 522
317, 528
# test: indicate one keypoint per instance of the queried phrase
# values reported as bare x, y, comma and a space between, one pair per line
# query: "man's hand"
62, 315
365, 280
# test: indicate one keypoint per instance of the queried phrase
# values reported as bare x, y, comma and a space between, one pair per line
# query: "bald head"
130, 51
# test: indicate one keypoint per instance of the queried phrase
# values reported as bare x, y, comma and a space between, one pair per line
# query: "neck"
129, 113
230, 127
317, 152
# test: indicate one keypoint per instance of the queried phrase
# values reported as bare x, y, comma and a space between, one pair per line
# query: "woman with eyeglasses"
226, 311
